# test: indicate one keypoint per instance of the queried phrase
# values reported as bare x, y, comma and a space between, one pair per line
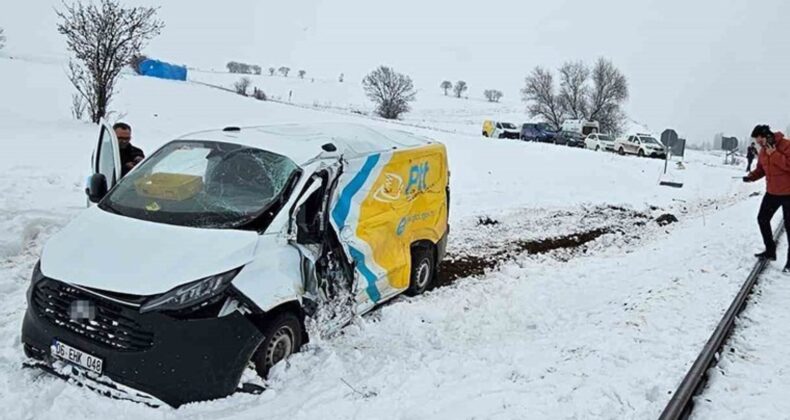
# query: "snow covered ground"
750, 380
602, 331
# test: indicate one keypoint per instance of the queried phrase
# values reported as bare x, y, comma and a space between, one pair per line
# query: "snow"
750, 380
603, 331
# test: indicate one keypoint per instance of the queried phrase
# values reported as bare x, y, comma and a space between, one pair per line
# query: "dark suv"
537, 132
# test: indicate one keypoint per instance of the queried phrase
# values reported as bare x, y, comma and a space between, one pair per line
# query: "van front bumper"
175, 360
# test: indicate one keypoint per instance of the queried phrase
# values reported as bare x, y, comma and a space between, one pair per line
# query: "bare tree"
77, 106
341, 78
302, 73
271, 71
256, 69
284, 71
446, 86
577, 99
573, 89
242, 85
103, 38
541, 99
493, 95
390, 91
608, 93
459, 88
2, 38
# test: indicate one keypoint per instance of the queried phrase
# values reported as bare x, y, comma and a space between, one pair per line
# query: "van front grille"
112, 325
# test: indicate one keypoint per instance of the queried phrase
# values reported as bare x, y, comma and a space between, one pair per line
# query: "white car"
640, 145
597, 141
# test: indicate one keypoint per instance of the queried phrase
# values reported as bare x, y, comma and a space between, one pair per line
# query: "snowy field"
603, 330
750, 380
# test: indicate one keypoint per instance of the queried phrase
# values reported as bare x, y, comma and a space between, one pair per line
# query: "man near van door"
751, 153
773, 163
130, 155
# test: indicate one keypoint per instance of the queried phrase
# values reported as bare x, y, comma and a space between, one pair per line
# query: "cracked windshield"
202, 184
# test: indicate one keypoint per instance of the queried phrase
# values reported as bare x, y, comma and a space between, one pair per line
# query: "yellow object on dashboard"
166, 186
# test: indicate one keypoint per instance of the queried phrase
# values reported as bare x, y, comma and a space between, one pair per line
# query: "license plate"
77, 357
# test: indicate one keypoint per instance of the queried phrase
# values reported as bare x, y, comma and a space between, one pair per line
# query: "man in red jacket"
773, 163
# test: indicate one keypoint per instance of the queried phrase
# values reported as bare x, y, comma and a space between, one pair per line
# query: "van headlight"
190, 294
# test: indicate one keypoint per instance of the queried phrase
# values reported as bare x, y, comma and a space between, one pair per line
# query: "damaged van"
209, 255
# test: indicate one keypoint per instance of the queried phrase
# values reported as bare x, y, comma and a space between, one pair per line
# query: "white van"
582, 126
208, 255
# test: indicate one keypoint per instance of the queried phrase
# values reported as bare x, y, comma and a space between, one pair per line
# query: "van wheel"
597, 148
641, 153
621, 151
282, 338
485, 134
423, 270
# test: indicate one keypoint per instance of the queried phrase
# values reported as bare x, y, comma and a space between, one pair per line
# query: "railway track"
682, 402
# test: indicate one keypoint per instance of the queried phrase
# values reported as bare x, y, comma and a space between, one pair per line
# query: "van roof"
303, 142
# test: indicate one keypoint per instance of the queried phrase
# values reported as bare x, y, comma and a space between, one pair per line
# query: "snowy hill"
558, 332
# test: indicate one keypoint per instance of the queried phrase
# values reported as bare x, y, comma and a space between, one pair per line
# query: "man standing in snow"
773, 163
130, 155
751, 153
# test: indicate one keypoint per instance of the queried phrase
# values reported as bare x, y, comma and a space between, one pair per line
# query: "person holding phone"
130, 155
773, 163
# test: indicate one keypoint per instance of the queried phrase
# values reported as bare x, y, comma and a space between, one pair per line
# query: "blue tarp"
162, 70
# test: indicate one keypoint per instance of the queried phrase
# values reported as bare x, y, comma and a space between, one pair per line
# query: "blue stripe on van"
372, 290
340, 212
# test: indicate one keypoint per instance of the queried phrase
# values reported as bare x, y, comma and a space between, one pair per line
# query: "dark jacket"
775, 168
751, 152
129, 154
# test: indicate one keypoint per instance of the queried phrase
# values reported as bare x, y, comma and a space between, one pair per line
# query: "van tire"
597, 148
641, 153
423, 270
485, 134
283, 336
621, 151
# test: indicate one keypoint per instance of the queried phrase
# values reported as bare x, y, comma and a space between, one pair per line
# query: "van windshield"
604, 137
205, 184
508, 126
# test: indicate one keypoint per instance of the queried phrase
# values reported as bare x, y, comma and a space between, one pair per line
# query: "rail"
682, 402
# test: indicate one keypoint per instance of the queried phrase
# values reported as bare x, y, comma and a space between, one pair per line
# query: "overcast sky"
698, 66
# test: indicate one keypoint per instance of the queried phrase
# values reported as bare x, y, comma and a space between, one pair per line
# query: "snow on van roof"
303, 142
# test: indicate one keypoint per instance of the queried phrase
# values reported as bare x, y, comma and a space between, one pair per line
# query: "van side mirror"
97, 188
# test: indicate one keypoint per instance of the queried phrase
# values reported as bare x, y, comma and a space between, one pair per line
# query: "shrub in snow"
459, 88
103, 38
446, 86
259, 94
256, 69
493, 95
2, 38
284, 71
341, 78
302, 73
271, 71
390, 91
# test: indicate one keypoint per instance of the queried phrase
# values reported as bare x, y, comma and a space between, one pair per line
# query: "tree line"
104, 36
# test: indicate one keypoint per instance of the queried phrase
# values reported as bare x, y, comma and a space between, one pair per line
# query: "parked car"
569, 138
537, 132
640, 145
597, 141
207, 257
500, 130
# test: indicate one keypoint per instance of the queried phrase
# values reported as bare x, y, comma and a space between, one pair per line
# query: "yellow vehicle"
500, 130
